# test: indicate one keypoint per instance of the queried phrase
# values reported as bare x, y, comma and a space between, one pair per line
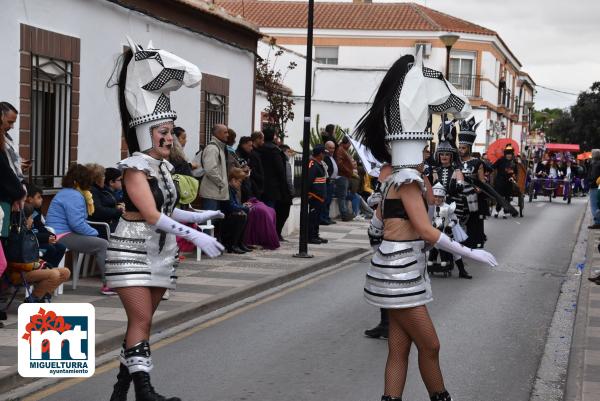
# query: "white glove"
183, 216
209, 245
374, 199
446, 244
375, 232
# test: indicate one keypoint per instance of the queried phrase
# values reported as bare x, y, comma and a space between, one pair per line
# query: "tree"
579, 124
279, 97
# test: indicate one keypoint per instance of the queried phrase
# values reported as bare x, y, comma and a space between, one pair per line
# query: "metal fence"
51, 82
215, 112
468, 85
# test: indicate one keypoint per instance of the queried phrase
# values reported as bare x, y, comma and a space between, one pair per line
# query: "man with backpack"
214, 188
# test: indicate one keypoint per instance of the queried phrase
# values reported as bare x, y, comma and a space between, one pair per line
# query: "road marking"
68, 383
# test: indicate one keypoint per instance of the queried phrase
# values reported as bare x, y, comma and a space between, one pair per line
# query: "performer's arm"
412, 199
139, 192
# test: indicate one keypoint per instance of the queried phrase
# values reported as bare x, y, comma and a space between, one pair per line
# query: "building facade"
355, 43
59, 63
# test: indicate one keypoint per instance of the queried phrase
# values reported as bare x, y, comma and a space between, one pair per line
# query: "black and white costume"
470, 169
142, 257
395, 130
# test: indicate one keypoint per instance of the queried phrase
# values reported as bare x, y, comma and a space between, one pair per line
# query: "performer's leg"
140, 303
417, 324
433, 255
399, 344
382, 328
462, 272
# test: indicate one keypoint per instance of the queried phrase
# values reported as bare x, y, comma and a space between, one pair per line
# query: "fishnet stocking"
407, 326
140, 303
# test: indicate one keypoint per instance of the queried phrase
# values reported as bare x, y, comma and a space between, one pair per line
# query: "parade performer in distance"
473, 170
445, 220
142, 254
395, 131
448, 173
506, 170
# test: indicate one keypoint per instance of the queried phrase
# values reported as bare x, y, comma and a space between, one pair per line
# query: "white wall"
102, 28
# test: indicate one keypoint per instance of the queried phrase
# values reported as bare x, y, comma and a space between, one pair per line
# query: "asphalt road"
307, 345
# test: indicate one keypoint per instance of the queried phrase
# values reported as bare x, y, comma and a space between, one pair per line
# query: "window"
461, 72
326, 55
215, 113
51, 83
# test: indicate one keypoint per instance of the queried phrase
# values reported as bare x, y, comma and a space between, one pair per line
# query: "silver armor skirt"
139, 256
397, 277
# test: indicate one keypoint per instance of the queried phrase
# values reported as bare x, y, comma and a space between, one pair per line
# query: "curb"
575, 373
112, 339
551, 382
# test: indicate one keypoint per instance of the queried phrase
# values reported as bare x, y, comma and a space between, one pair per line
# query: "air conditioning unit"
425, 49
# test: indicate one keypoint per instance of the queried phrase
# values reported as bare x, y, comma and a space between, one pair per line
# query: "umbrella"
496, 148
584, 156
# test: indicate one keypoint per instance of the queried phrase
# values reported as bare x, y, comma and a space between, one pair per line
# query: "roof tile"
359, 16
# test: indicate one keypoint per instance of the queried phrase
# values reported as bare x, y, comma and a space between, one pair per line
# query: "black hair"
111, 174
371, 127
177, 131
269, 133
32, 189
244, 139
330, 128
345, 140
129, 133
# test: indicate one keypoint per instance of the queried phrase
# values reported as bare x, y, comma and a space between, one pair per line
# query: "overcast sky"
557, 41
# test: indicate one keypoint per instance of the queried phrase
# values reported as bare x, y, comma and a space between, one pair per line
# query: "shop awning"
562, 147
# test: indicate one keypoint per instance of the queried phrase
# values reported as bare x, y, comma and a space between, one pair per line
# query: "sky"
556, 41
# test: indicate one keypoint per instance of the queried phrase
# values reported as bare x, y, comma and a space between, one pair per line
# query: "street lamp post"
448, 39
303, 246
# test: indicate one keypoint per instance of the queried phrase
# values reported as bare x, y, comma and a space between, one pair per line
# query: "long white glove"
375, 232
184, 216
209, 245
446, 244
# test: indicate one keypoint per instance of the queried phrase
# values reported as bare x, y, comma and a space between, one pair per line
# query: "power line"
557, 90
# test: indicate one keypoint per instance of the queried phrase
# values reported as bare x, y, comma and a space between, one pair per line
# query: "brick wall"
37, 41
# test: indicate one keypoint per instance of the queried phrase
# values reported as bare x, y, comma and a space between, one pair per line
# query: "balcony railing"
468, 85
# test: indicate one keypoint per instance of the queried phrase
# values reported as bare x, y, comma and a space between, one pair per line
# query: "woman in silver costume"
395, 130
142, 254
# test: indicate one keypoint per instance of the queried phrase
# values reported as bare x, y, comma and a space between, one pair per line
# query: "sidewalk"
202, 287
583, 381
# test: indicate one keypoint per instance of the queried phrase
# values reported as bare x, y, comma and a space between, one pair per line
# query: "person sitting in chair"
45, 278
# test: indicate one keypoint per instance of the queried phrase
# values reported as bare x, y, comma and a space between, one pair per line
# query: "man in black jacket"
593, 175
332, 175
276, 193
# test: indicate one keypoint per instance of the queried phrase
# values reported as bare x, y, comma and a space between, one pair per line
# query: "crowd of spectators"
250, 179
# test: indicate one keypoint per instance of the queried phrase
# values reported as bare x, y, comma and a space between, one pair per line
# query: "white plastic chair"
207, 226
81, 261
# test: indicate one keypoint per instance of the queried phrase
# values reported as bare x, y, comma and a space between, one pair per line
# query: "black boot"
144, 390
139, 362
462, 272
382, 329
390, 398
122, 385
443, 396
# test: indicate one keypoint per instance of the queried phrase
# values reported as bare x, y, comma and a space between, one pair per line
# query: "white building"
58, 59
355, 43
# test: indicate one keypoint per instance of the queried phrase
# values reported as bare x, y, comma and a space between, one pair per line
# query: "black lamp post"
303, 246
448, 39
